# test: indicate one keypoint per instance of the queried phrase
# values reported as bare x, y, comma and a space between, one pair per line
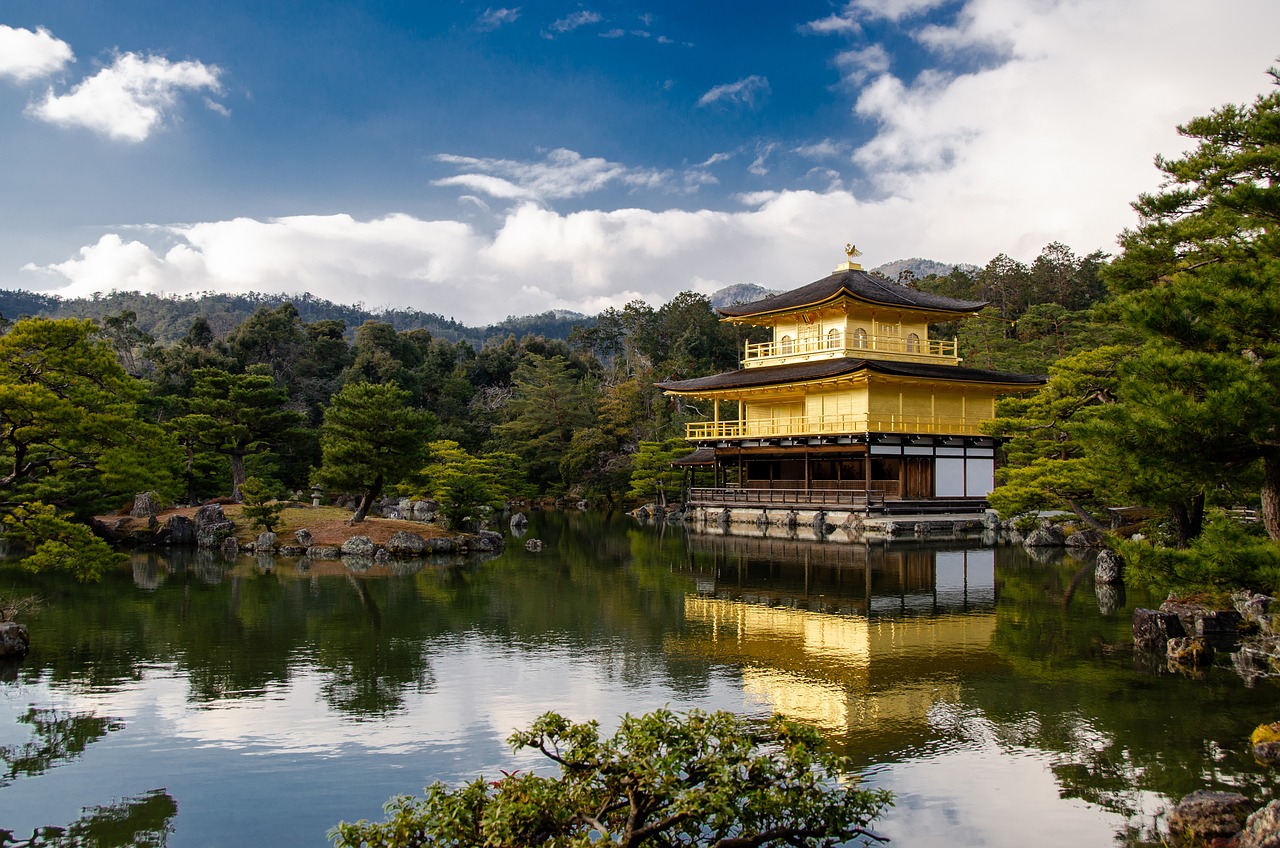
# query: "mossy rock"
1265, 733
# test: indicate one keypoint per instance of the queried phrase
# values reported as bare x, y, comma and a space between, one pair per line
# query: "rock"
404, 543
991, 520
1086, 539
1258, 610
292, 551
441, 545
583, 506
1045, 537
14, 639
1152, 629
145, 505
229, 547
180, 530
209, 514
1262, 829
1189, 650
304, 537
358, 546
211, 535
1108, 570
519, 520
1267, 753
496, 540
324, 552
265, 542
382, 555
534, 545
480, 543
1219, 627
1204, 816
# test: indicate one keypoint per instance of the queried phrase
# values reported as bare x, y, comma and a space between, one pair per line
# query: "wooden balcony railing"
794, 493
923, 350
831, 425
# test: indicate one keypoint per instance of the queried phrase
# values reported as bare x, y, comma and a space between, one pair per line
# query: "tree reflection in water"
142, 822
59, 738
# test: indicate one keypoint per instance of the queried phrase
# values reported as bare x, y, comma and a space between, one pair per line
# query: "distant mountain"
921, 268
167, 319
739, 293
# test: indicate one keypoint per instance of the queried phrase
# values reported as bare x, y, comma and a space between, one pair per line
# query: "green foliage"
57, 543
1199, 277
260, 508
371, 438
652, 477
1227, 555
549, 402
699, 779
237, 416
70, 431
463, 483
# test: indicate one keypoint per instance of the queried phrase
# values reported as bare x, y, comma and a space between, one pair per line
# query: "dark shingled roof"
857, 284
702, 456
779, 374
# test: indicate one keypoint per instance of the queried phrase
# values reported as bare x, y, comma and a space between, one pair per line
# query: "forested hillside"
167, 319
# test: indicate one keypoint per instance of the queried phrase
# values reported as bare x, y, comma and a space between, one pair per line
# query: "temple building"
851, 405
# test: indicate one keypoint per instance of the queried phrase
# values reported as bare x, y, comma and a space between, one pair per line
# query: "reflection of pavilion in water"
856, 639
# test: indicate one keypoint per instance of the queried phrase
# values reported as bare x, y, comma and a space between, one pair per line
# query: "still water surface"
192, 702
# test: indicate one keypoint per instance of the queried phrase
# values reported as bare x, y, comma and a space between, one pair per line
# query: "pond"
190, 701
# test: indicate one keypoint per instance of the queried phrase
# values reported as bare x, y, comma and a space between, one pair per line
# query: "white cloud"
716, 158
856, 66
745, 90
129, 99
830, 25
563, 174
763, 153
583, 261
825, 149
491, 19
896, 10
1055, 141
27, 55
577, 19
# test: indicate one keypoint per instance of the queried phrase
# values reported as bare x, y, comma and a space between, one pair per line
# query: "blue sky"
482, 160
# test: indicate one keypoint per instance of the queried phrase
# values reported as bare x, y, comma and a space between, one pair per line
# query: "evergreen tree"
371, 438
237, 416
1200, 276
549, 403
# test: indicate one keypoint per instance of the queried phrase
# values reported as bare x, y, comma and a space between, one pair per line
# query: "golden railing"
906, 348
829, 425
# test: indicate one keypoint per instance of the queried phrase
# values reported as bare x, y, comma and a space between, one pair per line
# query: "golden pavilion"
850, 405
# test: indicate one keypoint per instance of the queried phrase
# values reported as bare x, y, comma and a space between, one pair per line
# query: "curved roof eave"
856, 284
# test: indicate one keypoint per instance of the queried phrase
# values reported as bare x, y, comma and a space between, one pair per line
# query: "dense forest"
1164, 389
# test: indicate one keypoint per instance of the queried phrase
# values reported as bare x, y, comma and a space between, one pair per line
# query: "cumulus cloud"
129, 99
577, 19
1055, 140
562, 174
537, 259
491, 19
746, 91
27, 55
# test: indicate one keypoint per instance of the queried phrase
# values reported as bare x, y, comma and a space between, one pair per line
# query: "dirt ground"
328, 525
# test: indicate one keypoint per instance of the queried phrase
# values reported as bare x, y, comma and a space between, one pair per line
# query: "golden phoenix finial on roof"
851, 251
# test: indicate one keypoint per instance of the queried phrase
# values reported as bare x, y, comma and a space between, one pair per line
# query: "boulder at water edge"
14, 639
1262, 830
1204, 816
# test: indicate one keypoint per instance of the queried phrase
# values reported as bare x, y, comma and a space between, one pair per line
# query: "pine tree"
371, 438
1200, 278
